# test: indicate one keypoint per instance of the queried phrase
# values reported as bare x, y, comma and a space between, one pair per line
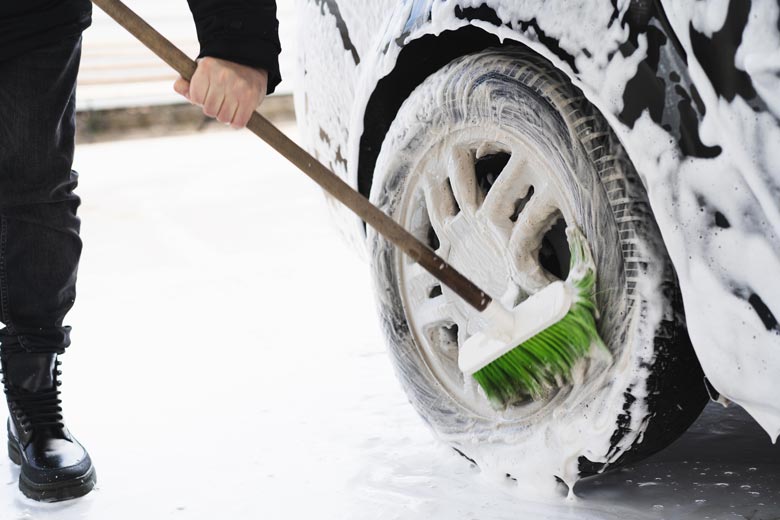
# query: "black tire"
654, 388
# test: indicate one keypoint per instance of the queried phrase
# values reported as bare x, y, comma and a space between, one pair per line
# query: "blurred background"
124, 90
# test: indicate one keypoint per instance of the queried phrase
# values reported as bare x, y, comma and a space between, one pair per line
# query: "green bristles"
545, 360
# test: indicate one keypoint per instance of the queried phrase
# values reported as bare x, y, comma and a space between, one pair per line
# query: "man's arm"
238, 62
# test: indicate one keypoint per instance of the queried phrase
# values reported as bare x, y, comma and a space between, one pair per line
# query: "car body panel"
692, 89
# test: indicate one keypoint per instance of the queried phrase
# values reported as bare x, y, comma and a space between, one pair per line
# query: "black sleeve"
242, 31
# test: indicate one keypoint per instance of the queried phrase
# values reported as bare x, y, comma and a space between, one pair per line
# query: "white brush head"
507, 329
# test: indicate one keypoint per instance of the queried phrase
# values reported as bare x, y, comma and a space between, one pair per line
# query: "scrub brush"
549, 332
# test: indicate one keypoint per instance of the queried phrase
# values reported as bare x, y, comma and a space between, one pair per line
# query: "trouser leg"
39, 229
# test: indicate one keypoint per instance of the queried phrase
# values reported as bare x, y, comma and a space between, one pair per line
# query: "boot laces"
37, 409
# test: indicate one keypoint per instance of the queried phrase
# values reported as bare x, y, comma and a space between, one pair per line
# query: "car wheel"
489, 161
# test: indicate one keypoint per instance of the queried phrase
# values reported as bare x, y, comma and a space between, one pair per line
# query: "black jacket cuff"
259, 54
248, 37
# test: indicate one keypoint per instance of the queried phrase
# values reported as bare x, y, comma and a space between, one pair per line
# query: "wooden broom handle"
329, 181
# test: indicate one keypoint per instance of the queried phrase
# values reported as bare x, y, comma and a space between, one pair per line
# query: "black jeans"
39, 230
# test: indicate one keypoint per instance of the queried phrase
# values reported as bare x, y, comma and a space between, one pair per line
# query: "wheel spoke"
419, 223
499, 203
526, 239
535, 218
506, 187
439, 202
460, 167
433, 311
420, 281
529, 274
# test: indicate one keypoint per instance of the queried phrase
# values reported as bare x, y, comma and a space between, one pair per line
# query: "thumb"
182, 86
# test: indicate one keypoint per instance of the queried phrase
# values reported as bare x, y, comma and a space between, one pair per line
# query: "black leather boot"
54, 466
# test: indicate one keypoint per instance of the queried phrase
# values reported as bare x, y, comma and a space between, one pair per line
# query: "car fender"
692, 90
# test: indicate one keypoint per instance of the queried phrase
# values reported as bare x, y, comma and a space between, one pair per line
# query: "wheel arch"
417, 60
424, 45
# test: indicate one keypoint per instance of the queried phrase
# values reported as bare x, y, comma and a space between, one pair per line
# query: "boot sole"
55, 491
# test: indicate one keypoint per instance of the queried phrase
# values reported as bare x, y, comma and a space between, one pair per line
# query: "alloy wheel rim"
495, 210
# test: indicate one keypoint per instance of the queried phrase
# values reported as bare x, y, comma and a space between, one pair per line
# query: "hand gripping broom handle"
330, 182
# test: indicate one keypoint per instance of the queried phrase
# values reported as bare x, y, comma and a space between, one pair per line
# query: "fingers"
199, 86
182, 86
244, 111
225, 90
227, 113
241, 117
215, 98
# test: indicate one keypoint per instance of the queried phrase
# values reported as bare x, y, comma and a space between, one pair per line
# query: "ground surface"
227, 364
